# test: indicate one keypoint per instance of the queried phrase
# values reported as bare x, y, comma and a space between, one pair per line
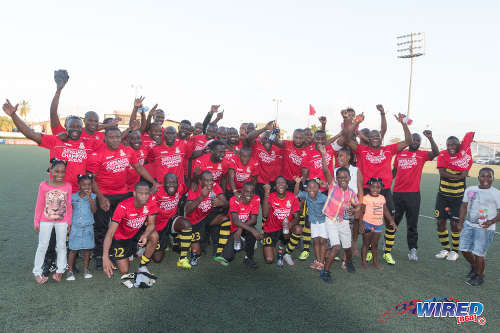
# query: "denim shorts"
372, 227
475, 240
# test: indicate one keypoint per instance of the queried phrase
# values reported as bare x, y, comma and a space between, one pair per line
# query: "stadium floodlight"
411, 46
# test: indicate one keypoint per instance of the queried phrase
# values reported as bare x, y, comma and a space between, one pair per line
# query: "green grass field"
213, 298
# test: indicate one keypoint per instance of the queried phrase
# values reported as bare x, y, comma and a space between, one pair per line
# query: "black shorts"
200, 228
164, 234
447, 207
124, 248
389, 201
271, 238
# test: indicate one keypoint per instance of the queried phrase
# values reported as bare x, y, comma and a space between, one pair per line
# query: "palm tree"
25, 109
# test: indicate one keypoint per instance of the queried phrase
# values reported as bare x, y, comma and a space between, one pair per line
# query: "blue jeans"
475, 240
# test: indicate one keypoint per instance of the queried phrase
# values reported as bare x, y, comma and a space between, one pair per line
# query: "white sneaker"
86, 274
442, 254
452, 256
288, 259
70, 276
127, 283
412, 255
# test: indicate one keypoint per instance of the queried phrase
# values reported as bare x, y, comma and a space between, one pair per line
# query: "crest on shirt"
142, 153
219, 167
414, 155
145, 210
288, 204
248, 169
122, 153
177, 151
82, 146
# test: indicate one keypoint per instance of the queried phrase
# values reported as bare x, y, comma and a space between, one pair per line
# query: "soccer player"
233, 140
241, 169
312, 167
453, 164
206, 207
126, 231
169, 220
269, 160
197, 129
280, 217
293, 153
141, 152
213, 162
375, 162
243, 212
481, 211
407, 172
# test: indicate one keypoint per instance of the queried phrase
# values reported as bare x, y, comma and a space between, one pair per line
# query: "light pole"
278, 101
136, 88
413, 45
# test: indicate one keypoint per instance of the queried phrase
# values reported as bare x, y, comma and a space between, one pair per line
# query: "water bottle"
286, 231
347, 216
483, 215
274, 135
212, 195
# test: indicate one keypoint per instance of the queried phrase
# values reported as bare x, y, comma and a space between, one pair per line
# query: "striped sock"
443, 238
224, 233
292, 243
306, 238
455, 240
390, 235
185, 242
144, 260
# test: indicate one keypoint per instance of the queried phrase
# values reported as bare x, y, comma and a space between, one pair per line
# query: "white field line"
433, 218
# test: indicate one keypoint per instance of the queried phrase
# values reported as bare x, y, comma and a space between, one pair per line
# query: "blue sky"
189, 55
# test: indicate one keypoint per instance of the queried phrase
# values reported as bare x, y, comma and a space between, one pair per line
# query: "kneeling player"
243, 212
126, 231
206, 207
280, 210
169, 222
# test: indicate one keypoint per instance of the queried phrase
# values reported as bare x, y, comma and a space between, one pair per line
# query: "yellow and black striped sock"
224, 233
185, 242
444, 239
145, 260
390, 235
292, 243
306, 238
455, 240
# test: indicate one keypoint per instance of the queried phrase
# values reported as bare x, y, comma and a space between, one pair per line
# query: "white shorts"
339, 233
318, 230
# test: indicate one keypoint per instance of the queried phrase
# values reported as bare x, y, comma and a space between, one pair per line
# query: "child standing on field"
81, 237
53, 211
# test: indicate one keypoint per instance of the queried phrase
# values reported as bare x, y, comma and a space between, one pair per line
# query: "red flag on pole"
312, 111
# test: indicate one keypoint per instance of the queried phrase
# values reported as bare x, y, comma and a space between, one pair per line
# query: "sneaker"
304, 255
476, 281
237, 246
250, 263
325, 276
127, 283
442, 254
194, 259
70, 276
41, 279
86, 274
452, 256
350, 267
412, 255
98, 263
369, 256
388, 258
183, 263
221, 260
288, 259
472, 273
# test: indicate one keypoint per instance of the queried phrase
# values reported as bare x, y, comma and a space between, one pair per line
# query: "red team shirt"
269, 162
167, 205
169, 160
75, 152
96, 139
279, 209
204, 208
376, 163
131, 219
217, 169
229, 154
243, 210
242, 173
197, 142
409, 167
110, 168
147, 145
313, 162
132, 176
292, 160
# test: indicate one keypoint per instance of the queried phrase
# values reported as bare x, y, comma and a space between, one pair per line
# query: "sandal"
316, 265
57, 277
41, 279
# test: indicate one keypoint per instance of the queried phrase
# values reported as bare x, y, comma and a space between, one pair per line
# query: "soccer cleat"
442, 254
350, 267
369, 256
86, 274
222, 261
127, 283
70, 276
183, 263
412, 255
388, 258
194, 259
249, 263
472, 273
128, 280
304, 255
288, 259
325, 276
476, 281
452, 256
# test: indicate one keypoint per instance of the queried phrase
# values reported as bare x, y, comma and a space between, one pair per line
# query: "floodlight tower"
413, 45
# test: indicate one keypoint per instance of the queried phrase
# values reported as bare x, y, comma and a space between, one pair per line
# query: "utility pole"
413, 45
278, 101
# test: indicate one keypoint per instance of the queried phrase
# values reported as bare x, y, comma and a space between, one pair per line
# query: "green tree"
25, 109
6, 124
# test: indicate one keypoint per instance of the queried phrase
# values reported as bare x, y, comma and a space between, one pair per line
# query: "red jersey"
167, 205
96, 139
147, 145
229, 154
279, 209
462, 160
169, 160
292, 160
130, 219
243, 210
242, 173
313, 162
409, 167
75, 152
197, 142
110, 168
269, 162
376, 163
205, 207
218, 169
132, 176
